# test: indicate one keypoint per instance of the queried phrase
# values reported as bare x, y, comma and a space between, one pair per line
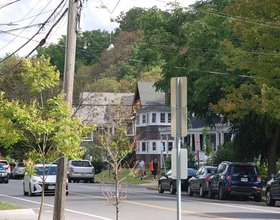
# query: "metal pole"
178, 147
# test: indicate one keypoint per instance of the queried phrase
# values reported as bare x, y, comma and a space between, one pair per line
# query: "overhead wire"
7, 4
41, 43
1, 61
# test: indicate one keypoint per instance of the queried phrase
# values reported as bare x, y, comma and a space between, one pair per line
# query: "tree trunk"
272, 152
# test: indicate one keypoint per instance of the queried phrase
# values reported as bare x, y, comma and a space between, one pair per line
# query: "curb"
18, 214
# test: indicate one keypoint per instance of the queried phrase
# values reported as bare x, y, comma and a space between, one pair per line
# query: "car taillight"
228, 177
259, 179
207, 179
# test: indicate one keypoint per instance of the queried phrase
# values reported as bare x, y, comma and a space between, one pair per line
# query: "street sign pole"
178, 128
178, 146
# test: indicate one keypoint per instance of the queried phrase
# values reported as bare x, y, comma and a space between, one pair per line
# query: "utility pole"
68, 82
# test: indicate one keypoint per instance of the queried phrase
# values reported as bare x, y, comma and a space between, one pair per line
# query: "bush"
224, 153
98, 165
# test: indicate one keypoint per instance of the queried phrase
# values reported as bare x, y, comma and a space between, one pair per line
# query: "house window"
162, 117
154, 146
144, 119
169, 117
154, 117
170, 146
144, 147
148, 118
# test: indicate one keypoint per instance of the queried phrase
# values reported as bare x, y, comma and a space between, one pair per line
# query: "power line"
34, 34
7, 4
42, 42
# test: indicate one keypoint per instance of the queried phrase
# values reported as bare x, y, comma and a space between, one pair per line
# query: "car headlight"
36, 181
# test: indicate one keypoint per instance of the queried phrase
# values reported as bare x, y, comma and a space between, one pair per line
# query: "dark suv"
233, 178
273, 190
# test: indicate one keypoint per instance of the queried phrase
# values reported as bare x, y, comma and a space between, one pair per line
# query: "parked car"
199, 183
6, 165
233, 178
32, 185
273, 190
80, 170
18, 170
4, 176
167, 183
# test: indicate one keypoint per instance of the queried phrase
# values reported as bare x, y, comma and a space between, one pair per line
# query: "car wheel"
269, 201
160, 189
211, 194
201, 192
190, 192
222, 194
258, 198
30, 192
24, 192
172, 188
7, 181
69, 179
67, 193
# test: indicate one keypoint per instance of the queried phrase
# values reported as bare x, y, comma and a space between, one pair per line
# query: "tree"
253, 50
45, 126
116, 145
90, 45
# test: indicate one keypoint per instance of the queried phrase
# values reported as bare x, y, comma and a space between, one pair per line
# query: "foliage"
7, 206
44, 124
253, 49
225, 152
98, 165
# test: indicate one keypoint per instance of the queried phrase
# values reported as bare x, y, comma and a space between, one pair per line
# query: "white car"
32, 185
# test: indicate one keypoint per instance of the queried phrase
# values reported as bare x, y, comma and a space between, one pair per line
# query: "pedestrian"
141, 168
154, 168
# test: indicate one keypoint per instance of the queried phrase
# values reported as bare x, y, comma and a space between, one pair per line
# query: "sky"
15, 15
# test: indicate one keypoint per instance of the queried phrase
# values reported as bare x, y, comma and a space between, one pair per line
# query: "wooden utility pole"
68, 82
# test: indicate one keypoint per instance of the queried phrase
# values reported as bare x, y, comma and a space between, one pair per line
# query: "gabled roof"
95, 106
146, 93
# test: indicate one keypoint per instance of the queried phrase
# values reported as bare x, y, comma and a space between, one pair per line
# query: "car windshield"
20, 165
78, 163
240, 169
191, 172
48, 170
209, 169
1, 167
4, 162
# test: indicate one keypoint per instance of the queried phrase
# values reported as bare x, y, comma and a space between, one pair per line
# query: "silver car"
18, 171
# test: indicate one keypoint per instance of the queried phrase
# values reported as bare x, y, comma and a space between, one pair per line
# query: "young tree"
116, 144
44, 124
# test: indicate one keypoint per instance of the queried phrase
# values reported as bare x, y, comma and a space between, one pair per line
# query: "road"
85, 201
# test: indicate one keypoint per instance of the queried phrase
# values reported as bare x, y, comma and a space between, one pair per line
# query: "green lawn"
131, 177
7, 206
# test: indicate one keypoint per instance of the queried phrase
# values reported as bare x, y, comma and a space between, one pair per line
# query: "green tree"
253, 49
45, 126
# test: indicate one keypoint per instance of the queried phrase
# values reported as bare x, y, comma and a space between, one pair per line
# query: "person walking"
154, 168
141, 168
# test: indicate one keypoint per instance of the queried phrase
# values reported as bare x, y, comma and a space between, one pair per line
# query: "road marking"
247, 208
162, 208
49, 205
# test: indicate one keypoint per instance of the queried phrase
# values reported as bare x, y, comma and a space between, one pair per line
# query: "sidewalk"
18, 214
